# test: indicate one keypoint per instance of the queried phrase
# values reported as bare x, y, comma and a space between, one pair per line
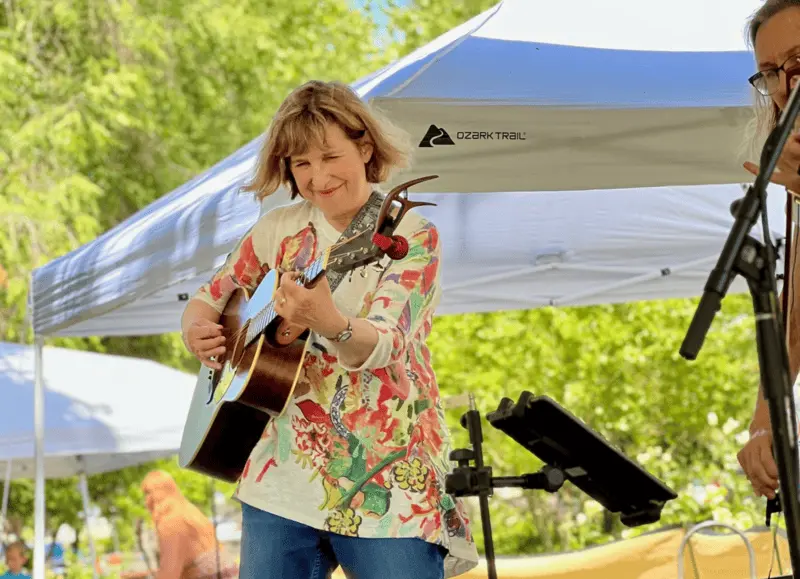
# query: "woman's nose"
319, 175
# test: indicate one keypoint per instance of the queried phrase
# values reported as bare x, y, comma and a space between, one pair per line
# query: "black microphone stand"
755, 261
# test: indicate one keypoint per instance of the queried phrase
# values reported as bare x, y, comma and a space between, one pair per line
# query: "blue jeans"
277, 548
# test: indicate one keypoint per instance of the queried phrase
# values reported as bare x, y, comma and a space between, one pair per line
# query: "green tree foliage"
421, 21
106, 106
615, 367
117, 494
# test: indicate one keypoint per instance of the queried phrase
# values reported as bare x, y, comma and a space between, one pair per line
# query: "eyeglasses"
767, 81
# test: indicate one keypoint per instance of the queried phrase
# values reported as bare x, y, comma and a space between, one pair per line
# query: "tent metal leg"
83, 485
38, 502
6, 492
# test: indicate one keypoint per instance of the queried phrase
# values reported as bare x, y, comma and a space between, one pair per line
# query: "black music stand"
570, 451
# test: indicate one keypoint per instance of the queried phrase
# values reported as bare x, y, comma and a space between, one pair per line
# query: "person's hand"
787, 171
311, 308
759, 465
205, 341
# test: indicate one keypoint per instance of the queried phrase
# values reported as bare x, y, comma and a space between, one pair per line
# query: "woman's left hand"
308, 308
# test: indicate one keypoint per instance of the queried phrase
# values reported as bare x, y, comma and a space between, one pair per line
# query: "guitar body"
231, 407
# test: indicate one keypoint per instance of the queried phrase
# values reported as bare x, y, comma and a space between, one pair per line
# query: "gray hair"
765, 112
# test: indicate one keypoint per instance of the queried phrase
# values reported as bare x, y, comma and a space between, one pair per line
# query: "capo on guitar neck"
396, 246
399, 195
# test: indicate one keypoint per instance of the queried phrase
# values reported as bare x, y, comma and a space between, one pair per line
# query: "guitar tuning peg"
350, 276
363, 272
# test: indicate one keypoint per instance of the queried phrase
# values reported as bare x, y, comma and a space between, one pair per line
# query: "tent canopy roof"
102, 412
677, 54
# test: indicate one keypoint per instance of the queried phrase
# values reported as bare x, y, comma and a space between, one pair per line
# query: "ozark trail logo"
438, 136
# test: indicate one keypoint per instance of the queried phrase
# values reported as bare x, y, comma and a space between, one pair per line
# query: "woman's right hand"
759, 465
787, 172
204, 340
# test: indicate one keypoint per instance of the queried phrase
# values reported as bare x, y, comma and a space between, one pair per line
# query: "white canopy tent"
536, 95
600, 121
501, 251
104, 413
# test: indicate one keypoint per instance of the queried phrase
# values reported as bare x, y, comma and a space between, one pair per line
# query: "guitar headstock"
397, 204
362, 250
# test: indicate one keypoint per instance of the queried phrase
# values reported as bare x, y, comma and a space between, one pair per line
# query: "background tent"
534, 95
104, 412
648, 98
501, 251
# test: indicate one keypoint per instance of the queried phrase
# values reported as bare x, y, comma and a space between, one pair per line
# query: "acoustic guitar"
264, 354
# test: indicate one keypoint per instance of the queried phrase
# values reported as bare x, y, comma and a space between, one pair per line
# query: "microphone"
396, 246
735, 207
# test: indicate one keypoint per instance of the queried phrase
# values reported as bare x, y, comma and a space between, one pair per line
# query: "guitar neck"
260, 321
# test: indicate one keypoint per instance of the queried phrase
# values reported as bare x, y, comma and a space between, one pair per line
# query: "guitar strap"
365, 219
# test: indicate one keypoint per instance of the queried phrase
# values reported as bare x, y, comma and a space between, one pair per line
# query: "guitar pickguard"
225, 380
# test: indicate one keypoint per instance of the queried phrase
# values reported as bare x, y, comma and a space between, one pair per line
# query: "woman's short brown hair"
300, 123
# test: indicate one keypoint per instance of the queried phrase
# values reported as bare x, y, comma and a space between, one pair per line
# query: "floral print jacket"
361, 451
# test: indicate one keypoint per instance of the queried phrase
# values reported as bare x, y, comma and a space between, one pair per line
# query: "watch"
345, 334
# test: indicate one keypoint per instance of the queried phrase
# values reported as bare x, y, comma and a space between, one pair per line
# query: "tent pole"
38, 503
6, 492
83, 485
569, 299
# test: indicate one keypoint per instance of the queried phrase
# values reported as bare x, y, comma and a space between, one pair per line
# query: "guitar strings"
241, 331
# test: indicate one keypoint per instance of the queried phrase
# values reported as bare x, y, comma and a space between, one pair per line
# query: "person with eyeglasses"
774, 32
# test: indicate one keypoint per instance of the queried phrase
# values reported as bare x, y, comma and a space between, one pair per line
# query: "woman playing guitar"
352, 473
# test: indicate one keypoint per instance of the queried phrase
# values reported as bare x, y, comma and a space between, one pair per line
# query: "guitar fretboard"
265, 317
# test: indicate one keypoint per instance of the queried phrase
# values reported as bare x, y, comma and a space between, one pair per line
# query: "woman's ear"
366, 152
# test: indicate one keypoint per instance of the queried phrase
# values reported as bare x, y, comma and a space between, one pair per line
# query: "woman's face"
777, 42
332, 175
